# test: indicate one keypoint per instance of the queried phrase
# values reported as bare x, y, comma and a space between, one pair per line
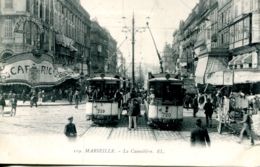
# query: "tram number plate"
100, 111
166, 115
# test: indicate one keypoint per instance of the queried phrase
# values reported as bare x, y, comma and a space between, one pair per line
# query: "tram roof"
103, 78
163, 79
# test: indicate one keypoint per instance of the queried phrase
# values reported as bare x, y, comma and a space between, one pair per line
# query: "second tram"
164, 104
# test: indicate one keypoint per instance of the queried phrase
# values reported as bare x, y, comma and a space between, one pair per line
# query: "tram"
164, 104
103, 104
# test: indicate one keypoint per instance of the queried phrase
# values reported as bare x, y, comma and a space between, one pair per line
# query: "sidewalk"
48, 103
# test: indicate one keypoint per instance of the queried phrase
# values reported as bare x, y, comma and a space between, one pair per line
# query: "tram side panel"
101, 112
164, 112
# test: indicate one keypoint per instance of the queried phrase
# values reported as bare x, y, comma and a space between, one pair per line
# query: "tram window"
103, 90
168, 92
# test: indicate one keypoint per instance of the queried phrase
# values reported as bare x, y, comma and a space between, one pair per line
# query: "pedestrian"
2, 104
118, 98
40, 97
199, 135
60, 94
247, 126
13, 102
53, 96
33, 99
151, 96
76, 98
133, 111
10, 95
70, 96
208, 107
23, 96
43, 96
70, 129
195, 105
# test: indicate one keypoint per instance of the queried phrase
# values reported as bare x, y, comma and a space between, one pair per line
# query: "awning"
241, 59
214, 71
246, 76
216, 64
34, 73
210, 70
235, 60
201, 69
65, 42
247, 59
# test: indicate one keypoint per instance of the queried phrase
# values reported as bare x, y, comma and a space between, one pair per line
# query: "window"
240, 33
246, 28
8, 29
31, 33
9, 4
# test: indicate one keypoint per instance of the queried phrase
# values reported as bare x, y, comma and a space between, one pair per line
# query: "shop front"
26, 69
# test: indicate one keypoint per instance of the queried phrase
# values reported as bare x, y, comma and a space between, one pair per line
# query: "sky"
163, 16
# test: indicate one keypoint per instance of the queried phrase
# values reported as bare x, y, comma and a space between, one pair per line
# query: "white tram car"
102, 106
164, 104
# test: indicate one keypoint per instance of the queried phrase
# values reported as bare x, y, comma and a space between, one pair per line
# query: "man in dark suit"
199, 135
70, 128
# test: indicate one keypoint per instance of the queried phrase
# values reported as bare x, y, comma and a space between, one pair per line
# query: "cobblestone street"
42, 129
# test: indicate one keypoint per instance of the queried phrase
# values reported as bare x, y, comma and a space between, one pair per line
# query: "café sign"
34, 73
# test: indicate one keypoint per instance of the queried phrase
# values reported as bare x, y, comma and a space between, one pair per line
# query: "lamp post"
133, 31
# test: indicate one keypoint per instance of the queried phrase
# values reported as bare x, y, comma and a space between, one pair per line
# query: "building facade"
111, 62
103, 50
226, 49
42, 41
169, 59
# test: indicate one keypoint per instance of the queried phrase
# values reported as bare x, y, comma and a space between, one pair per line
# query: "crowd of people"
38, 97
237, 107
132, 102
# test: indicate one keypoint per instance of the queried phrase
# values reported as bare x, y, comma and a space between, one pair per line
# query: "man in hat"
199, 135
70, 128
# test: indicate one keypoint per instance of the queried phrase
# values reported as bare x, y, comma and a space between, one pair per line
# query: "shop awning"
236, 60
35, 74
216, 64
247, 59
246, 76
65, 42
214, 71
210, 70
201, 69
241, 59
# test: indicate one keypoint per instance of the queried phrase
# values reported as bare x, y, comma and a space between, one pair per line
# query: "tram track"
154, 135
86, 130
144, 132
